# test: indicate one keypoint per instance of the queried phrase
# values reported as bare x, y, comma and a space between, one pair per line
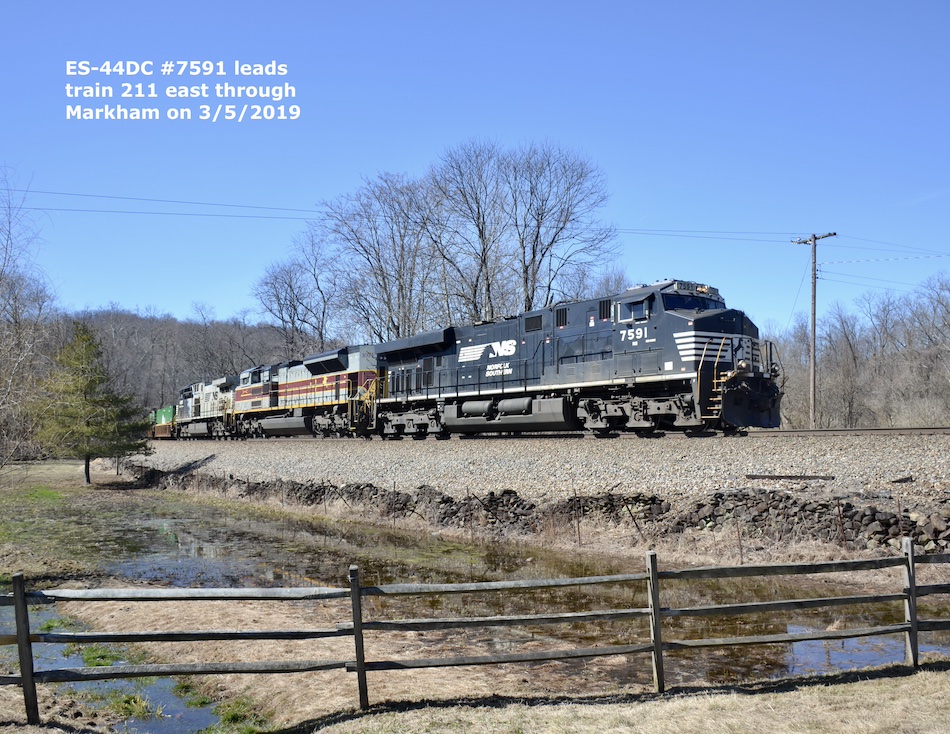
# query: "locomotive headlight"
743, 365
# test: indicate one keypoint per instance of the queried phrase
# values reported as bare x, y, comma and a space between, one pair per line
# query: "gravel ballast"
912, 470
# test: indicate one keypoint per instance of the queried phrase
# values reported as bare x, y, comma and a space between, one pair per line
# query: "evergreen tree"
79, 415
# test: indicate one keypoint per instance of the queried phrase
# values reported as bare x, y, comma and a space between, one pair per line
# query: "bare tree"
300, 295
884, 365
143, 352
551, 200
485, 234
218, 348
26, 308
389, 266
793, 352
844, 383
127, 349
582, 282
467, 223
927, 356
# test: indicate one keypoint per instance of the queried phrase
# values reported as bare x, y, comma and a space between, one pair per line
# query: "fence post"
656, 636
356, 597
911, 649
25, 649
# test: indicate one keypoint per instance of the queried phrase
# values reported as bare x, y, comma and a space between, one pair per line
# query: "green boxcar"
163, 421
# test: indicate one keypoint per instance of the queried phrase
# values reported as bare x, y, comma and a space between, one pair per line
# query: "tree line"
883, 363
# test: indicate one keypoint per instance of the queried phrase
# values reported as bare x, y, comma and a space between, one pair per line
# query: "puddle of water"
229, 551
226, 551
175, 715
827, 656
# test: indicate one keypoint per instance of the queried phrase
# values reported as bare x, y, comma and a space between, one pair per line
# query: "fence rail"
355, 627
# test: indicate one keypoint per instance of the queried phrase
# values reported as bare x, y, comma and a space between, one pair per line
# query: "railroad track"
660, 435
934, 431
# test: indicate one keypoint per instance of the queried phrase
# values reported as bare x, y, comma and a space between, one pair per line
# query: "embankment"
859, 493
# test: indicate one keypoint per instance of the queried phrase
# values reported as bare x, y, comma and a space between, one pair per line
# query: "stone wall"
755, 513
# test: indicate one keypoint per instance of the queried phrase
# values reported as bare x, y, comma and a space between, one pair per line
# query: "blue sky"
725, 130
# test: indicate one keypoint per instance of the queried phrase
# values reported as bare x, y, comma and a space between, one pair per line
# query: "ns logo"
473, 353
503, 349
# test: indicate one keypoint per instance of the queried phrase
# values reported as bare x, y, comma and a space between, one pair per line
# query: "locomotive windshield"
679, 302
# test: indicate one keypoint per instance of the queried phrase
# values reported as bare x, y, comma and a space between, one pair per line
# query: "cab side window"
638, 311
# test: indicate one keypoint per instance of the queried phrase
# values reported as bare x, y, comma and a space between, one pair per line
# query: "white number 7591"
630, 335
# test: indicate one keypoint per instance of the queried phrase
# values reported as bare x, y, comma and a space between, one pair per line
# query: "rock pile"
773, 514
782, 516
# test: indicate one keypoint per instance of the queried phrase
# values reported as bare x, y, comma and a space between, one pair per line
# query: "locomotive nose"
729, 321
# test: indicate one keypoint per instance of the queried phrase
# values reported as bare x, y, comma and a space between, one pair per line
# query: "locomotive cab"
204, 409
691, 362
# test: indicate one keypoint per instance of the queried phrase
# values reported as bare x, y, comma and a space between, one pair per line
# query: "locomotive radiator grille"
705, 346
714, 347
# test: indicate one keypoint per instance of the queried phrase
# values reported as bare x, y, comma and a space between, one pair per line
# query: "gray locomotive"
669, 356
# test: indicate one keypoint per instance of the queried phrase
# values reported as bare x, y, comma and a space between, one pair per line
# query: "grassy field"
464, 700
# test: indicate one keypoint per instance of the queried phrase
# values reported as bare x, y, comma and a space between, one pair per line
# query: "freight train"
667, 356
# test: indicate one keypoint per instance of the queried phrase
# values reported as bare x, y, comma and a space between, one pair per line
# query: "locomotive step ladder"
361, 408
713, 407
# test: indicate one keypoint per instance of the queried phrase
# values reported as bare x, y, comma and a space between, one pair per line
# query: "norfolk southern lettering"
112, 112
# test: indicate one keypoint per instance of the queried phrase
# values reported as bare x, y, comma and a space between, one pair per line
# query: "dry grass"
890, 701
882, 701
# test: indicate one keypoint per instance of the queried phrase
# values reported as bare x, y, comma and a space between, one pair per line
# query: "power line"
865, 285
892, 244
861, 277
156, 201
632, 230
797, 294
721, 235
884, 259
166, 214
905, 248
696, 235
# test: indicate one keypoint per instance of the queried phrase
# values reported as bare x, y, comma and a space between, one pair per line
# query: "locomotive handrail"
699, 377
722, 343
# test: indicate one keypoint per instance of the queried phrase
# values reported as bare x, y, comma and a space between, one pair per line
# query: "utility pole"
813, 379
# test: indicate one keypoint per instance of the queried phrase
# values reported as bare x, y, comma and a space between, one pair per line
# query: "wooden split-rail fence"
360, 664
